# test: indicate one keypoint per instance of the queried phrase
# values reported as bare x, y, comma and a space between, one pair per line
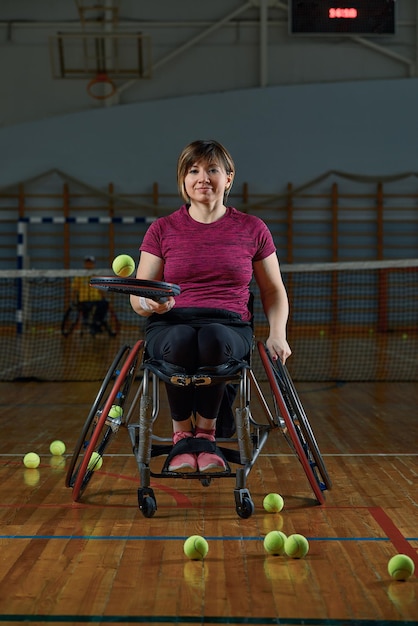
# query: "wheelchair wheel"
91, 420
295, 425
97, 434
299, 416
70, 320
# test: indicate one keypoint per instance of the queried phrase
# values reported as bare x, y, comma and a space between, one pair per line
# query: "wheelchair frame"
283, 412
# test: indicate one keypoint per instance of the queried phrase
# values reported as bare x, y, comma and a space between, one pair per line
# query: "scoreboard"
342, 17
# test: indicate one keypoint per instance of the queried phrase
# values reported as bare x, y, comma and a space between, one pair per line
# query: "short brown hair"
202, 150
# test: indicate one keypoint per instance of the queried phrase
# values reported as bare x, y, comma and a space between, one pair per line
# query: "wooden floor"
101, 561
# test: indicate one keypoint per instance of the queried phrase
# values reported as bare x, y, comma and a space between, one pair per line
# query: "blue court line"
186, 619
184, 537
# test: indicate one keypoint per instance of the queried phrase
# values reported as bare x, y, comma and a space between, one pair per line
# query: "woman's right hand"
150, 267
148, 306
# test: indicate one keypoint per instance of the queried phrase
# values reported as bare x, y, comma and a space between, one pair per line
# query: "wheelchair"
129, 398
81, 315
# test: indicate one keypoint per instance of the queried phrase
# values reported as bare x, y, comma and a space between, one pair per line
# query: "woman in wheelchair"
212, 251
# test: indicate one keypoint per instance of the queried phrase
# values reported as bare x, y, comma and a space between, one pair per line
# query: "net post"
20, 264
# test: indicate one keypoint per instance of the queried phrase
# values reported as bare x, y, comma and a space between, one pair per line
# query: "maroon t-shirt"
212, 263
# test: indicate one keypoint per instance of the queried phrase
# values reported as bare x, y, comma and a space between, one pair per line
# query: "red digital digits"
342, 13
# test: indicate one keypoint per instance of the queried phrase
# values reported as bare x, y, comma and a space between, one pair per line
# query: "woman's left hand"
278, 348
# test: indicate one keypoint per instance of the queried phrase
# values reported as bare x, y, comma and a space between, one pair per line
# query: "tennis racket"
153, 289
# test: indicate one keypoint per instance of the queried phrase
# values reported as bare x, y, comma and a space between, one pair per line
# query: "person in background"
212, 251
88, 299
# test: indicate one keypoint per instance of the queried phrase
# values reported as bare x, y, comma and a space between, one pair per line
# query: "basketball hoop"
101, 87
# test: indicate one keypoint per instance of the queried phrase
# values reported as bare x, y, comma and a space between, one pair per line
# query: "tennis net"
353, 321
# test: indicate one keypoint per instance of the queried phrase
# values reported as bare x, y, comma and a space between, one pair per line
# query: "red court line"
393, 533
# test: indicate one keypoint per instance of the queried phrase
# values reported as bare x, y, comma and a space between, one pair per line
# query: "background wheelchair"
82, 315
129, 398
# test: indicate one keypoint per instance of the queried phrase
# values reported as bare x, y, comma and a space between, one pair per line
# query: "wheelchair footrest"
228, 454
209, 475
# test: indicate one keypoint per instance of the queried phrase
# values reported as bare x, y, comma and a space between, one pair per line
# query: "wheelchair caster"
147, 502
243, 503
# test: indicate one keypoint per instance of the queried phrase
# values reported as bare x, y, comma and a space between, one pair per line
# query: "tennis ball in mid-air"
273, 503
196, 547
95, 463
31, 460
274, 542
115, 411
57, 448
296, 546
123, 265
401, 567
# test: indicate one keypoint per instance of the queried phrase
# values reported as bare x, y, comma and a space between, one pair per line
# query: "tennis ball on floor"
273, 503
401, 567
274, 542
57, 448
123, 265
95, 463
31, 460
196, 547
296, 546
115, 411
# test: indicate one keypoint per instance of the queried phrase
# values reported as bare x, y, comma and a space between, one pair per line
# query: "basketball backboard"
89, 54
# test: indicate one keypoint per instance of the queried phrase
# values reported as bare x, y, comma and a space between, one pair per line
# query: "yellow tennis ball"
123, 265
57, 448
274, 542
401, 567
95, 463
31, 460
196, 547
296, 546
115, 411
273, 503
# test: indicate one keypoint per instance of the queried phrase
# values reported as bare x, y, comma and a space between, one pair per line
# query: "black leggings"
191, 348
